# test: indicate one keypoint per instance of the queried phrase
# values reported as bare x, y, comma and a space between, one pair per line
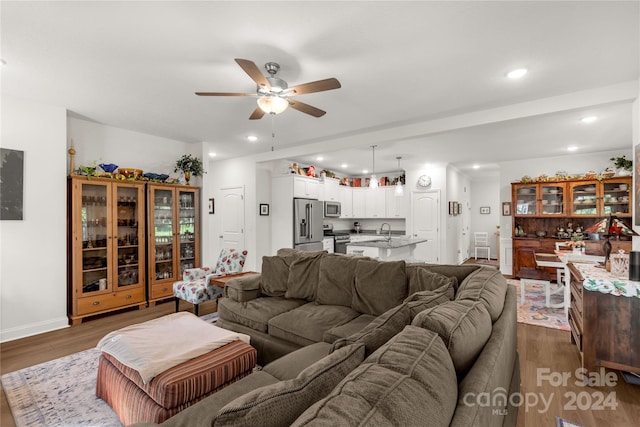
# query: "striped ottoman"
174, 389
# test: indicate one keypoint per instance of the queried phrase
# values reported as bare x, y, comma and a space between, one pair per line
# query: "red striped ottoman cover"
174, 389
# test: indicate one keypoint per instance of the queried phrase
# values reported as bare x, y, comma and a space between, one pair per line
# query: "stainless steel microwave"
332, 209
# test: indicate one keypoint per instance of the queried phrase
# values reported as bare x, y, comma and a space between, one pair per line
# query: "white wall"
33, 287
485, 192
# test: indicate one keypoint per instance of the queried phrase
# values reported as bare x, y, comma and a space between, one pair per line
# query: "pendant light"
373, 182
399, 187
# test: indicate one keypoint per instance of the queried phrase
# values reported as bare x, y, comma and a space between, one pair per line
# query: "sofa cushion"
281, 403
275, 274
487, 285
290, 365
256, 313
421, 279
243, 288
349, 328
464, 326
379, 286
381, 330
410, 381
306, 324
304, 273
337, 274
423, 300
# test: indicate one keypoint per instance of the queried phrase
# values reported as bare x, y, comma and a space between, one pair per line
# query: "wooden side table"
222, 280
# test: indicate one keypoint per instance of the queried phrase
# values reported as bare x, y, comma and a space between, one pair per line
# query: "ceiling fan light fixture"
272, 104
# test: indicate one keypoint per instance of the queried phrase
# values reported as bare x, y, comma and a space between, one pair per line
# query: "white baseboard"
33, 329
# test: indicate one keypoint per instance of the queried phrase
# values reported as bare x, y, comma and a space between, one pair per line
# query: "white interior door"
425, 214
232, 216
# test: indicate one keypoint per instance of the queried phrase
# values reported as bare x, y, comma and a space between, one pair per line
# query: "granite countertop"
396, 242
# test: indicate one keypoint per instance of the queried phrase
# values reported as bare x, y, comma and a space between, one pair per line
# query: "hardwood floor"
539, 348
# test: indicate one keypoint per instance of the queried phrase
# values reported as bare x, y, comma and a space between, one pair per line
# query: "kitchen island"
396, 248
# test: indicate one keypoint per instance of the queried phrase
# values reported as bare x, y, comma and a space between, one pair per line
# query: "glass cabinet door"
552, 198
584, 199
616, 198
163, 234
188, 218
128, 212
526, 199
94, 220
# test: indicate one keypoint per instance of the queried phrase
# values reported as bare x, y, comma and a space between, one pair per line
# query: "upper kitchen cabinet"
599, 198
306, 188
330, 190
107, 246
539, 199
396, 204
346, 202
359, 202
174, 229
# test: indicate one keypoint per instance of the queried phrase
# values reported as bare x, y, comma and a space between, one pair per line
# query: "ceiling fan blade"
257, 114
306, 108
317, 86
225, 94
254, 72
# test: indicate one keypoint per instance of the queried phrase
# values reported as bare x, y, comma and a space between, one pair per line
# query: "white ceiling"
422, 80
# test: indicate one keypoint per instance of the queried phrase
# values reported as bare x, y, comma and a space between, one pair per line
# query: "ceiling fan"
274, 95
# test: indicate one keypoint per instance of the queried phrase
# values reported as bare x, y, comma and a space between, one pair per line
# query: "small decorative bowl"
541, 233
162, 176
108, 167
130, 172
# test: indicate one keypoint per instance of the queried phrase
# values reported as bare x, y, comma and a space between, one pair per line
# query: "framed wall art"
506, 208
264, 209
212, 206
485, 210
11, 184
452, 208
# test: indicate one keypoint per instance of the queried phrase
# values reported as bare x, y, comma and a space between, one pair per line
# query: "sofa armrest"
243, 289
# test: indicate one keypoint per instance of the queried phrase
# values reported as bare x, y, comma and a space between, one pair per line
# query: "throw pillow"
304, 273
380, 330
421, 279
379, 286
487, 285
423, 300
230, 261
275, 274
464, 326
281, 403
337, 274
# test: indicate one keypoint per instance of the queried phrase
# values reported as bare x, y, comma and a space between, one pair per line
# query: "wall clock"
424, 181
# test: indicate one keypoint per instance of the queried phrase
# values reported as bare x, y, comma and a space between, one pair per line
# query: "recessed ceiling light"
588, 119
572, 148
319, 158
365, 171
344, 165
476, 166
212, 154
252, 138
518, 73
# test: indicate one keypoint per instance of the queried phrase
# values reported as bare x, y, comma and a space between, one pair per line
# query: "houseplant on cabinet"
189, 165
623, 165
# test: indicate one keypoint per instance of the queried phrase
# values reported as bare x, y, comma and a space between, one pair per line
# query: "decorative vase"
578, 251
187, 177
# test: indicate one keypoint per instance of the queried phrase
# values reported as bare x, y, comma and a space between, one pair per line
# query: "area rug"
534, 312
61, 392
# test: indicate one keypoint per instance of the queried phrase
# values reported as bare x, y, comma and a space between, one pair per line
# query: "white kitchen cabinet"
327, 244
359, 202
308, 188
375, 203
331, 190
396, 206
346, 201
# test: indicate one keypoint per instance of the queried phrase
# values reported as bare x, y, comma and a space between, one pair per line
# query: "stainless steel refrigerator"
307, 225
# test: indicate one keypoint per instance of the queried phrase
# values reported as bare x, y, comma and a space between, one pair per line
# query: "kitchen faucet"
388, 225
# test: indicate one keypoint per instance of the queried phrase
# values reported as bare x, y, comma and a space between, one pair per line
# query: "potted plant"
189, 165
622, 164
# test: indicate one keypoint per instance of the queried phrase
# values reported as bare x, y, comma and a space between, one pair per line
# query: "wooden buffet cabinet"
604, 327
544, 206
115, 259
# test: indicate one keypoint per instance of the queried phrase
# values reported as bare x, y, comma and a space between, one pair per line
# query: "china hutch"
106, 246
542, 209
173, 236
128, 242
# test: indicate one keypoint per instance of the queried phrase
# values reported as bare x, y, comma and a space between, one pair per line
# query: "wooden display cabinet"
601, 198
539, 199
106, 224
173, 236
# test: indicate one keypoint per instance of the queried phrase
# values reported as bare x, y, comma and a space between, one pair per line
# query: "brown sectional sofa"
355, 341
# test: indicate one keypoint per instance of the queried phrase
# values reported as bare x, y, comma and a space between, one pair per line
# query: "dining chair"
481, 241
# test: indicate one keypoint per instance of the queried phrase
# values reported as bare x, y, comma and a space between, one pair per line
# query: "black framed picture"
264, 209
459, 209
452, 208
485, 210
11, 184
211, 206
506, 208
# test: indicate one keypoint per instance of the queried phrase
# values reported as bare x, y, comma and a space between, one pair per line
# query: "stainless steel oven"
332, 209
340, 243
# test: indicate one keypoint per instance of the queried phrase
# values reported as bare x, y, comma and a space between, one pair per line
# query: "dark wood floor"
539, 348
